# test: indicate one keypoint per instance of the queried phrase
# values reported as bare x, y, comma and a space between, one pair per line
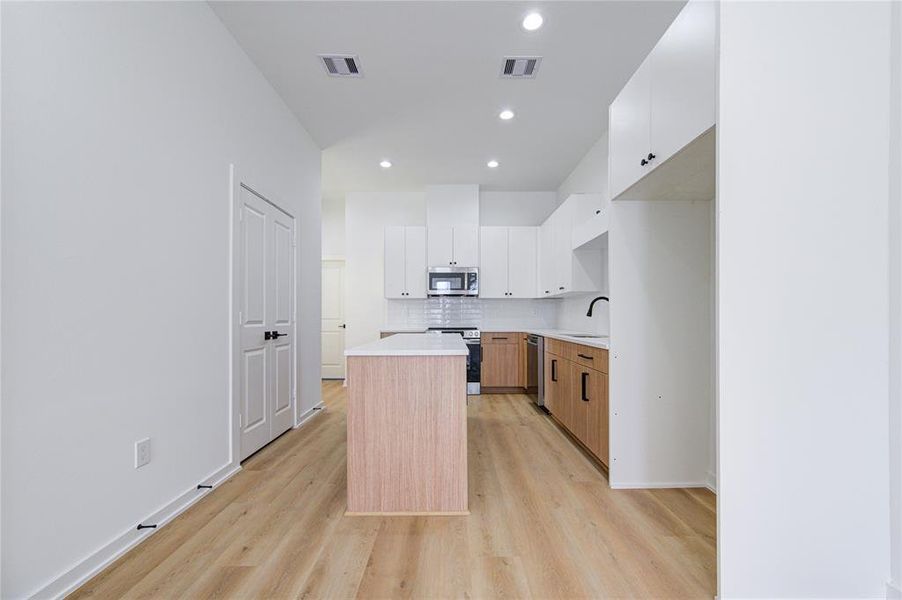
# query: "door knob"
276, 335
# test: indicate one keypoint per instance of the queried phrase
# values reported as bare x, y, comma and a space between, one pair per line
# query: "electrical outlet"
142, 452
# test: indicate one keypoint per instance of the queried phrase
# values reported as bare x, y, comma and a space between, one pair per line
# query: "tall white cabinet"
405, 262
508, 262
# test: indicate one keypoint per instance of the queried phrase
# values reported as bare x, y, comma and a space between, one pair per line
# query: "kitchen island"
407, 426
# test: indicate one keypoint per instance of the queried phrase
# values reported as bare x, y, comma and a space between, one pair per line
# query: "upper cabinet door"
522, 245
395, 259
440, 244
466, 246
629, 139
493, 273
683, 90
415, 261
546, 258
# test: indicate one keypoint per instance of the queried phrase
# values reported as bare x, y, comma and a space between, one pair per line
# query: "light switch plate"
142, 452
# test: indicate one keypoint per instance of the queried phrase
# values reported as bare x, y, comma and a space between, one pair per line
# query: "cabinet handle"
643, 162
561, 288
499, 338
584, 383
586, 357
547, 291
598, 212
651, 157
553, 370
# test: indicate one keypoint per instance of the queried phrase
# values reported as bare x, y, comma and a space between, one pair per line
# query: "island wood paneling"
407, 435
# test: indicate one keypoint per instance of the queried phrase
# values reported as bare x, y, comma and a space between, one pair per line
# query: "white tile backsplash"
471, 312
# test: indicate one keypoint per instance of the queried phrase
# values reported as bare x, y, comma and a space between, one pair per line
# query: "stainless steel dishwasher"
535, 367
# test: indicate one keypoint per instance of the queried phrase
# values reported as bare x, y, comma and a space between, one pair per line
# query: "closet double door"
266, 321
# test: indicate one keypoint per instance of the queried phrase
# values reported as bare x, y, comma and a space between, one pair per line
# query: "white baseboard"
643, 485
90, 566
711, 484
309, 414
893, 590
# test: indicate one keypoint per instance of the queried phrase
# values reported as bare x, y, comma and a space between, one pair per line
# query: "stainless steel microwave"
453, 281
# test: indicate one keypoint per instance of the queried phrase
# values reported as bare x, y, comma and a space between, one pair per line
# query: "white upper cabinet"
508, 262
546, 258
668, 103
453, 246
493, 265
395, 263
629, 137
522, 261
415, 261
440, 244
590, 219
466, 246
405, 262
683, 91
562, 270
452, 225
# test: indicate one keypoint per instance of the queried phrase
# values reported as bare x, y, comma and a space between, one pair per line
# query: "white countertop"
603, 342
565, 335
413, 344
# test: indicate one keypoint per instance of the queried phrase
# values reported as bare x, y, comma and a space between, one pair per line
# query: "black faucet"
592, 305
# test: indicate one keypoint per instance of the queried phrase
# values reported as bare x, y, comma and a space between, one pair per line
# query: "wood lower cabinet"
501, 364
577, 395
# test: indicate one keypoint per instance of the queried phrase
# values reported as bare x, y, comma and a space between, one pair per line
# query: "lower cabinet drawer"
594, 358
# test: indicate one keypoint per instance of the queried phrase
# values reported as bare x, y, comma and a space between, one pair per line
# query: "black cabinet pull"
598, 212
584, 383
560, 288
547, 291
643, 162
499, 338
586, 357
651, 156
553, 370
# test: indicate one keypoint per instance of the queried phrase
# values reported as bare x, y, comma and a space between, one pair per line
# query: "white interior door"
266, 299
333, 329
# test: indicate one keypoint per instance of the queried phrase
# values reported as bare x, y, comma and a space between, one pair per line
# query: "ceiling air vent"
341, 65
518, 67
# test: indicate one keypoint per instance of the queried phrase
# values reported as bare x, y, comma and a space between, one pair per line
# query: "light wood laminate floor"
543, 524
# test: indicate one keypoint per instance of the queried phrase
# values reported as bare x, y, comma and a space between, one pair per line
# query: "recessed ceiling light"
492, 164
506, 114
385, 164
532, 21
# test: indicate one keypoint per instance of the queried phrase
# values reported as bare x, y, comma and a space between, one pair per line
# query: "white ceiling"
430, 94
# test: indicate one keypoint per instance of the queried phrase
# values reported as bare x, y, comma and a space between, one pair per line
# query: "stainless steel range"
472, 339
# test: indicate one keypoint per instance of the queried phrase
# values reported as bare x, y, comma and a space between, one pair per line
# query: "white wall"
590, 176
515, 208
366, 216
661, 352
333, 225
119, 125
895, 363
803, 133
